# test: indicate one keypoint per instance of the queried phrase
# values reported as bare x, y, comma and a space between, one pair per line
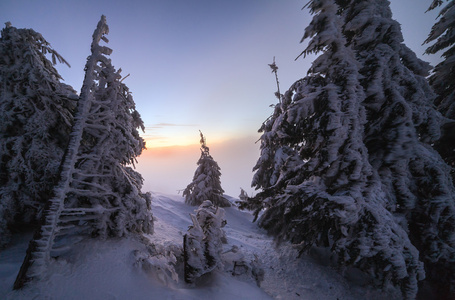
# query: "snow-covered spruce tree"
203, 243
443, 36
318, 186
243, 195
270, 160
402, 124
110, 142
442, 80
97, 195
206, 183
36, 113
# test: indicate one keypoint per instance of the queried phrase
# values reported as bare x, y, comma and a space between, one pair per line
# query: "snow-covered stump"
202, 245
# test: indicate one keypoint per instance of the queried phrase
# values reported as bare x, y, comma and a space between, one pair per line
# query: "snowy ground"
110, 269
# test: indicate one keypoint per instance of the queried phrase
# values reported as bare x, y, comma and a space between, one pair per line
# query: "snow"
109, 269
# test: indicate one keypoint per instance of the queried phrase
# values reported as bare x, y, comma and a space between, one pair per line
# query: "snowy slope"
111, 269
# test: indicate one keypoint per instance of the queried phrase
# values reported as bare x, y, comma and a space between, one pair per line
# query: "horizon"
180, 163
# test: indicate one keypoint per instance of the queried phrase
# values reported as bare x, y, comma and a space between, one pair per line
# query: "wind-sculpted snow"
109, 269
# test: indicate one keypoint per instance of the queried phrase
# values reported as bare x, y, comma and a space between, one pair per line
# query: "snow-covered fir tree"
442, 80
442, 36
203, 242
36, 113
318, 185
110, 141
402, 125
206, 184
98, 194
243, 195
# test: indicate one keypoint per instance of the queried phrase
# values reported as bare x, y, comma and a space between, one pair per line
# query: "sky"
195, 65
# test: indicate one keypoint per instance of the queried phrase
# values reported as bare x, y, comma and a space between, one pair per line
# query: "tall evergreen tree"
97, 195
319, 188
36, 113
442, 36
442, 80
402, 125
206, 184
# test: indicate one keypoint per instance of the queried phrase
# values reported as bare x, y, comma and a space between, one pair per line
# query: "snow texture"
135, 267
346, 158
36, 113
97, 195
203, 242
402, 125
442, 36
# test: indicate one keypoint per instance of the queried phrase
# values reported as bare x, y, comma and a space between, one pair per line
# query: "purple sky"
195, 65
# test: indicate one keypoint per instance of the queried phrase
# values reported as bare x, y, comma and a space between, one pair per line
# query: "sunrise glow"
195, 66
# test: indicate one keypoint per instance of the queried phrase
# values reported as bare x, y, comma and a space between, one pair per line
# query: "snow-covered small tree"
193, 252
442, 80
36, 113
206, 183
243, 195
203, 243
211, 219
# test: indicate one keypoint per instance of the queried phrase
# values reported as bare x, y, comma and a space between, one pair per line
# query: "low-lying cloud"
171, 169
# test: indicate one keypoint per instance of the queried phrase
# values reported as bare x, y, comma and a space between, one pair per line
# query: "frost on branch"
36, 115
402, 126
442, 35
97, 193
322, 182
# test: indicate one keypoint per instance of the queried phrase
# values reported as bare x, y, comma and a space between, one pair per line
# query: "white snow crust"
108, 269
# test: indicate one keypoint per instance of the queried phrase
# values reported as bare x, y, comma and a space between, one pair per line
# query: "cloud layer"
170, 169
